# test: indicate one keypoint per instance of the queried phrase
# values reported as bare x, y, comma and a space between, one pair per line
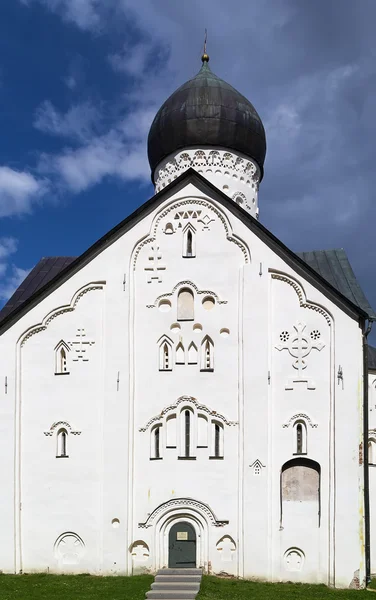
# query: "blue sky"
81, 80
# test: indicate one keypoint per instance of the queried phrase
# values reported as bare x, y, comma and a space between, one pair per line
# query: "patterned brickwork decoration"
183, 503
257, 467
60, 424
221, 161
80, 345
186, 205
60, 311
300, 416
183, 284
188, 400
155, 266
299, 343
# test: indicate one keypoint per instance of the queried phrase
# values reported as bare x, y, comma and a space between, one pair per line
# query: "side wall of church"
185, 375
372, 462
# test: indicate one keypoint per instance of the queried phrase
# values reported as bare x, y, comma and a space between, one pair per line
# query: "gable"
329, 271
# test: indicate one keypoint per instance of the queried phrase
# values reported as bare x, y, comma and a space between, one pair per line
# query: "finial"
205, 56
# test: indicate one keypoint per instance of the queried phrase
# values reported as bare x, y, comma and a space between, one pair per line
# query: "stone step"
175, 585
182, 578
179, 572
171, 595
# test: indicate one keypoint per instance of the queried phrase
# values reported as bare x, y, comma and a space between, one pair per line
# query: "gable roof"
43, 272
356, 306
335, 268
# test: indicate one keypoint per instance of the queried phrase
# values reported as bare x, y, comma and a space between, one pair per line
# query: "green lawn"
86, 587
73, 587
213, 588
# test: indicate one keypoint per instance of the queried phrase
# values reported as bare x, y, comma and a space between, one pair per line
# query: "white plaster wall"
109, 475
372, 463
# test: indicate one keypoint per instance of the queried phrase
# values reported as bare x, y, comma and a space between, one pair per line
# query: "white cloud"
18, 191
78, 123
132, 60
11, 276
84, 13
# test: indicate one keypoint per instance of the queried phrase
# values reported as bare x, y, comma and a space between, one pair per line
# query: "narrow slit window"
300, 438
62, 444
61, 359
187, 432
157, 450
217, 440
165, 354
189, 250
207, 355
217, 433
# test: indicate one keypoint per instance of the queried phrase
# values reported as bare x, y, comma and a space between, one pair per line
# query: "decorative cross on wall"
155, 265
299, 344
79, 346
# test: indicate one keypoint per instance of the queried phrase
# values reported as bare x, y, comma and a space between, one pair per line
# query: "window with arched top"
185, 305
189, 242
155, 442
188, 434
165, 354
62, 438
217, 440
371, 451
61, 359
300, 437
207, 354
300, 494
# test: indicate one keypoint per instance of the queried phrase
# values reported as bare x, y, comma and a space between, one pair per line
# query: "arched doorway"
182, 546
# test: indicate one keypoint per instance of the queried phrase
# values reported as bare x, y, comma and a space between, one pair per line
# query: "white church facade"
189, 392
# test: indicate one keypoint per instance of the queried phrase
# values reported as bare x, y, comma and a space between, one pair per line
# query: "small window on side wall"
300, 437
61, 358
62, 438
217, 440
155, 443
371, 451
189, 242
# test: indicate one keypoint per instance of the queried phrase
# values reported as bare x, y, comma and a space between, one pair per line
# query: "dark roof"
335, 268
42, 273
19, 303
371, 357
206, 111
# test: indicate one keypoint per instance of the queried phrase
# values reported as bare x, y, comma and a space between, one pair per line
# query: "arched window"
61, 451
192, 354
371, 451
180, 354
189, 242
61, 354
185, 305
155, 442
217, 440
187, 433
165, 354
207, 354
300, 437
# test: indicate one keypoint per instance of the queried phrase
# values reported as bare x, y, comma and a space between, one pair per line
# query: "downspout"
365, 453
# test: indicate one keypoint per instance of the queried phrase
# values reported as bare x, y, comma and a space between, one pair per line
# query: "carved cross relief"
80, 346
155, 265
299, 344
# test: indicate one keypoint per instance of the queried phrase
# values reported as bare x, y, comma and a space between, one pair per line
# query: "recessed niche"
208, 302
175, 327
224, 332
164, 305
115, 523
197, 327
225, 187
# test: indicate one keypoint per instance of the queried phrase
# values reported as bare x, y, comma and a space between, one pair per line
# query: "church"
189, 392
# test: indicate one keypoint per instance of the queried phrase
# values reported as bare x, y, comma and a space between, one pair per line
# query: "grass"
73, 587
213, 588
87, 587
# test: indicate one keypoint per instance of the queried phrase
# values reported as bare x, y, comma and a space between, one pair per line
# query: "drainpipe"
366, 332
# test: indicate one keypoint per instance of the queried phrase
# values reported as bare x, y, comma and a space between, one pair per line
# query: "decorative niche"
61, 358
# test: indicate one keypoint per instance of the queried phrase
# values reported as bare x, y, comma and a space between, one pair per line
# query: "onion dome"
206, 112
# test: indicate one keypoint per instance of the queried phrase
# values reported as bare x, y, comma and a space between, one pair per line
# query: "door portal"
182, 546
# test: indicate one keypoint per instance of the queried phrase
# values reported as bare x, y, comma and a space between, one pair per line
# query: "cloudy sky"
81, 80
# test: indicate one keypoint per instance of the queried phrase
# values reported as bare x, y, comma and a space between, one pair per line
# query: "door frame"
162, 533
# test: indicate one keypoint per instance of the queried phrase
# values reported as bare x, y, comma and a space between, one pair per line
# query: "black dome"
206, 111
